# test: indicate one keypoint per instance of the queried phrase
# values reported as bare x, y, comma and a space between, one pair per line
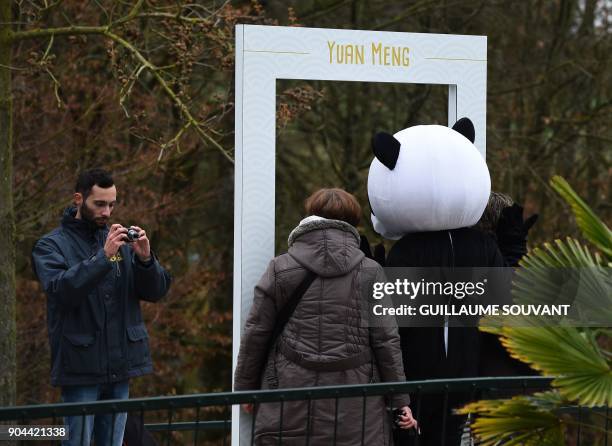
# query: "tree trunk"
7, 219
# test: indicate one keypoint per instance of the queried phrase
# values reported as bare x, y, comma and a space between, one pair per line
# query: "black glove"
512, 233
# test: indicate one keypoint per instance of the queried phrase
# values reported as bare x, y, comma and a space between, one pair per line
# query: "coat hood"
80, 225
326, 247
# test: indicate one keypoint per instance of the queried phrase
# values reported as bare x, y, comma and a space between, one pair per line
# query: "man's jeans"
81, 427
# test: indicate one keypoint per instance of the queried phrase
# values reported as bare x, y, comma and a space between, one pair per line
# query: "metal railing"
205, 418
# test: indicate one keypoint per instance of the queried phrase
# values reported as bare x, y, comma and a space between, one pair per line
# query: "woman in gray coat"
327, 340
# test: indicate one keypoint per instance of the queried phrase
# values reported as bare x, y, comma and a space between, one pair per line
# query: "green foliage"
565, 272
576, 356
573, 356
589, 223
525, 421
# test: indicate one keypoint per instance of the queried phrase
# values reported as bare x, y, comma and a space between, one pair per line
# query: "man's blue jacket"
95, 325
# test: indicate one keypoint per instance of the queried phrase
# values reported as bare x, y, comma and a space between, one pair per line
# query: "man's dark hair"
93, 177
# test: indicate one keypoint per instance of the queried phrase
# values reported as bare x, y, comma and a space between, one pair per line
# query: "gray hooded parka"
326, 342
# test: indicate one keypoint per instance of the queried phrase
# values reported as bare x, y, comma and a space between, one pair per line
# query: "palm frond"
522, 420
583, 374
562, 272
589, 223
566, 273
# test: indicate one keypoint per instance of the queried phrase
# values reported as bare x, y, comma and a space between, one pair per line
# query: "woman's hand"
406, 421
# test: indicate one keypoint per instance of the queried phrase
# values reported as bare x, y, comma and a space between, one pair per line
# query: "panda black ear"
386, 149
466, 128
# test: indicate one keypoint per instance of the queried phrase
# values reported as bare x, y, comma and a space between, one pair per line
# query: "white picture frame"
267, 53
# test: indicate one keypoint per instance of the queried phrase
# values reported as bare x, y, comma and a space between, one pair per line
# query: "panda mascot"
427, 186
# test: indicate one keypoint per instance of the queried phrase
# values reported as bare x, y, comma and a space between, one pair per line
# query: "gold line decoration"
274, 52
451, 58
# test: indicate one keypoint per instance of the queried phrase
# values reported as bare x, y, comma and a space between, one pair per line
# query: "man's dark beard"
88, 215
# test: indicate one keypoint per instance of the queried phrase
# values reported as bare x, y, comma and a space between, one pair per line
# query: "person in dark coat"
136, 434
326, 341
442, 352
95, 277
503, 220
427, 185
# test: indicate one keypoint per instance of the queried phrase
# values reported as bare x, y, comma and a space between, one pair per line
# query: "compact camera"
132, 235
397, 414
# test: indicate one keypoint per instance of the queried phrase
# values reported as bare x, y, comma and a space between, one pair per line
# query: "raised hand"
141, 247
114, 240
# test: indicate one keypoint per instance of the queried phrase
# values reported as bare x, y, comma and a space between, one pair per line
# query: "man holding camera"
94, 277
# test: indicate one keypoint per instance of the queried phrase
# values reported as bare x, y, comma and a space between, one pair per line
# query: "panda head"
427, 178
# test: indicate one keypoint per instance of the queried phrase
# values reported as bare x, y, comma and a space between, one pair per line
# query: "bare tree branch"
145, 63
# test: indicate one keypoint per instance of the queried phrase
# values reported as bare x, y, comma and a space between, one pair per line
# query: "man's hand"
115, 240
141, 247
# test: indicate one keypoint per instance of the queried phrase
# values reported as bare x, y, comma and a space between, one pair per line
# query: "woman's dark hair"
336, 204
93, 177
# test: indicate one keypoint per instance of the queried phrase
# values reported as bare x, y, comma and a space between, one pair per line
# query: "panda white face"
438, 181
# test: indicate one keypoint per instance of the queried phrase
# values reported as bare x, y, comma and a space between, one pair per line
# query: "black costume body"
426, 353
423, 349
